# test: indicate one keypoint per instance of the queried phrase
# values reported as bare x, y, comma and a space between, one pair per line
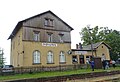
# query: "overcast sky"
76, 13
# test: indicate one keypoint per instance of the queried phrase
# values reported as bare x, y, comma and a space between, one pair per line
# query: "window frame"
50, 37
50, 57
74, 59
36, 36
61, 37
48, 22
36, 57
62, 58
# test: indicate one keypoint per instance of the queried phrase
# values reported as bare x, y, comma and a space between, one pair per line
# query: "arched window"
50, 57
62, 57
36, 57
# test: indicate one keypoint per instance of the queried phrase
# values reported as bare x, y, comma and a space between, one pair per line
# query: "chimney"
80, 46
77, 46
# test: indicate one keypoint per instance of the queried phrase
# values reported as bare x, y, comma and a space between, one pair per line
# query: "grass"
51, 74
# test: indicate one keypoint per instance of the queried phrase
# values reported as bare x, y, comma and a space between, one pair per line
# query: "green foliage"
95, 35
113, 39
98, 34
2, 59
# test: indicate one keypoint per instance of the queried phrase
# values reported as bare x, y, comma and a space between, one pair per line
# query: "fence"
34, 69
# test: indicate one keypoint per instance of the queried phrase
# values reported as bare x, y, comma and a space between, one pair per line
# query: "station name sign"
80, 52
49, 44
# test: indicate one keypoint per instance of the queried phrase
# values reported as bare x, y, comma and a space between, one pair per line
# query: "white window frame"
62, 57
46, 22
36, 57
36, 36
61, 37
49, 22
50, 57
50, 37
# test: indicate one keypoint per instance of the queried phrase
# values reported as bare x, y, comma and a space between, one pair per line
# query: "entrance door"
98, 63
81, 59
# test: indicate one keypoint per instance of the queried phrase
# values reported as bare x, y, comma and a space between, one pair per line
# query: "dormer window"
49, 22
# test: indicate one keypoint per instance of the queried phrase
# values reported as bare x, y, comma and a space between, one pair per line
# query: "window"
46, 22
102, 46
36, 57
88, 58
50, 57
81, 59
103, 57
62, 57
49, 37
36, 36
61, 37
74, 59
49, 22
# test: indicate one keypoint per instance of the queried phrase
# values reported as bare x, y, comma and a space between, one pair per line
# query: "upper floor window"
36, 36
50, 57
61, 37
36, 57
49, 22
50, 35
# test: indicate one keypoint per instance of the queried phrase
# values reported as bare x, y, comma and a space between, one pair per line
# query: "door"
81, 59
98, 63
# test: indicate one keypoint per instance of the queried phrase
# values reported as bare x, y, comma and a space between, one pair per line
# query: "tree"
97, 34
113, 39
2, 59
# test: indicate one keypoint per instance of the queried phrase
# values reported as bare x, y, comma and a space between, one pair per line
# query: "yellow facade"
22, 52
29, 47
103, 49
23, 44
16, 48
98, 52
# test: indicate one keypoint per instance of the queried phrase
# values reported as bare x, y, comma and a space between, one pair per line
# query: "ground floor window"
62, 57
74, 59
88, 58
50, 57
36, 57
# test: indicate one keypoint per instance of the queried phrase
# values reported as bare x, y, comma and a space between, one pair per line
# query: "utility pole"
89, 29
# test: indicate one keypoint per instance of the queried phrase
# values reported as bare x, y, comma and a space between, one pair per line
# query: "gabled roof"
94, 46
20, 23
